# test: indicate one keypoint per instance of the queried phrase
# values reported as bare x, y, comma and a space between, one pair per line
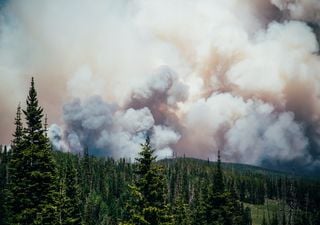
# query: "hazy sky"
240, 75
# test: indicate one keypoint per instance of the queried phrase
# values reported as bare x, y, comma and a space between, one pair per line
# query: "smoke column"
241, 76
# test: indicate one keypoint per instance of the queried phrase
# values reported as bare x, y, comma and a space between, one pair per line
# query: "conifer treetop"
146, 158
33, 113
19, 127
218, 176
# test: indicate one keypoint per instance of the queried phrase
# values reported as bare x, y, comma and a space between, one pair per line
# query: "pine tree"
18, 134
34, 170
218, 184
217, 201
148, 203
223, 207
16, 186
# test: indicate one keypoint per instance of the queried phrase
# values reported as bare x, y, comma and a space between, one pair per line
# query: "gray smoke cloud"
307, 10
108, 130
241, 76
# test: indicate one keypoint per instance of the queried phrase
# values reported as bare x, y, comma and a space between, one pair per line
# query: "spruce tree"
217, 201
223, 207
34, 171
18, 134
16, 193
147, 205
218, 184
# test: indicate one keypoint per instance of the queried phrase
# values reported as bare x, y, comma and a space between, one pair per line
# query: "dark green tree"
147, 205
16, 186
33, 169
217, 207
223, 207
218, 184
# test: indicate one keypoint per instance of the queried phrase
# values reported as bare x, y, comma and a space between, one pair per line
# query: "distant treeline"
39, 186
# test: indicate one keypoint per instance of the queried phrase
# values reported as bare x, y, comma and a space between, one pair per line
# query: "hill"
102, 190
240, 167
227, 165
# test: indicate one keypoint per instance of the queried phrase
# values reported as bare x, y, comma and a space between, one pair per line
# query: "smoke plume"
241, 76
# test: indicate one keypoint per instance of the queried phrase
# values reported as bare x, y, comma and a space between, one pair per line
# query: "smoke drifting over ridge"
241, 76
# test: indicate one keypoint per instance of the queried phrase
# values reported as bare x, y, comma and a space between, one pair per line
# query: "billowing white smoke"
247, 131
241, 76
262, 134
109, 131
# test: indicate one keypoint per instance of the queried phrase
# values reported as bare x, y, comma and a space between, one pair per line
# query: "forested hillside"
41, 186
94, 190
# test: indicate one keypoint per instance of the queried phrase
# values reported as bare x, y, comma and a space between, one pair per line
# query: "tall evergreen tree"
34, 170
223, 207
218, 184
148, 202
16, 186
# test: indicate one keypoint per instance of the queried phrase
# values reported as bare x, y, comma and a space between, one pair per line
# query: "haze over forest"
241, 76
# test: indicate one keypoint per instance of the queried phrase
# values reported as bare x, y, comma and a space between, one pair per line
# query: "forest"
39, 185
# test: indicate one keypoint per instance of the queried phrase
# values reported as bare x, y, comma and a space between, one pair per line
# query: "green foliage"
95, 210
148, 201
112, 188
222, 206
181, 213
32, 177
69, 208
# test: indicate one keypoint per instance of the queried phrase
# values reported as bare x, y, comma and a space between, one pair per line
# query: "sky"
239, 76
